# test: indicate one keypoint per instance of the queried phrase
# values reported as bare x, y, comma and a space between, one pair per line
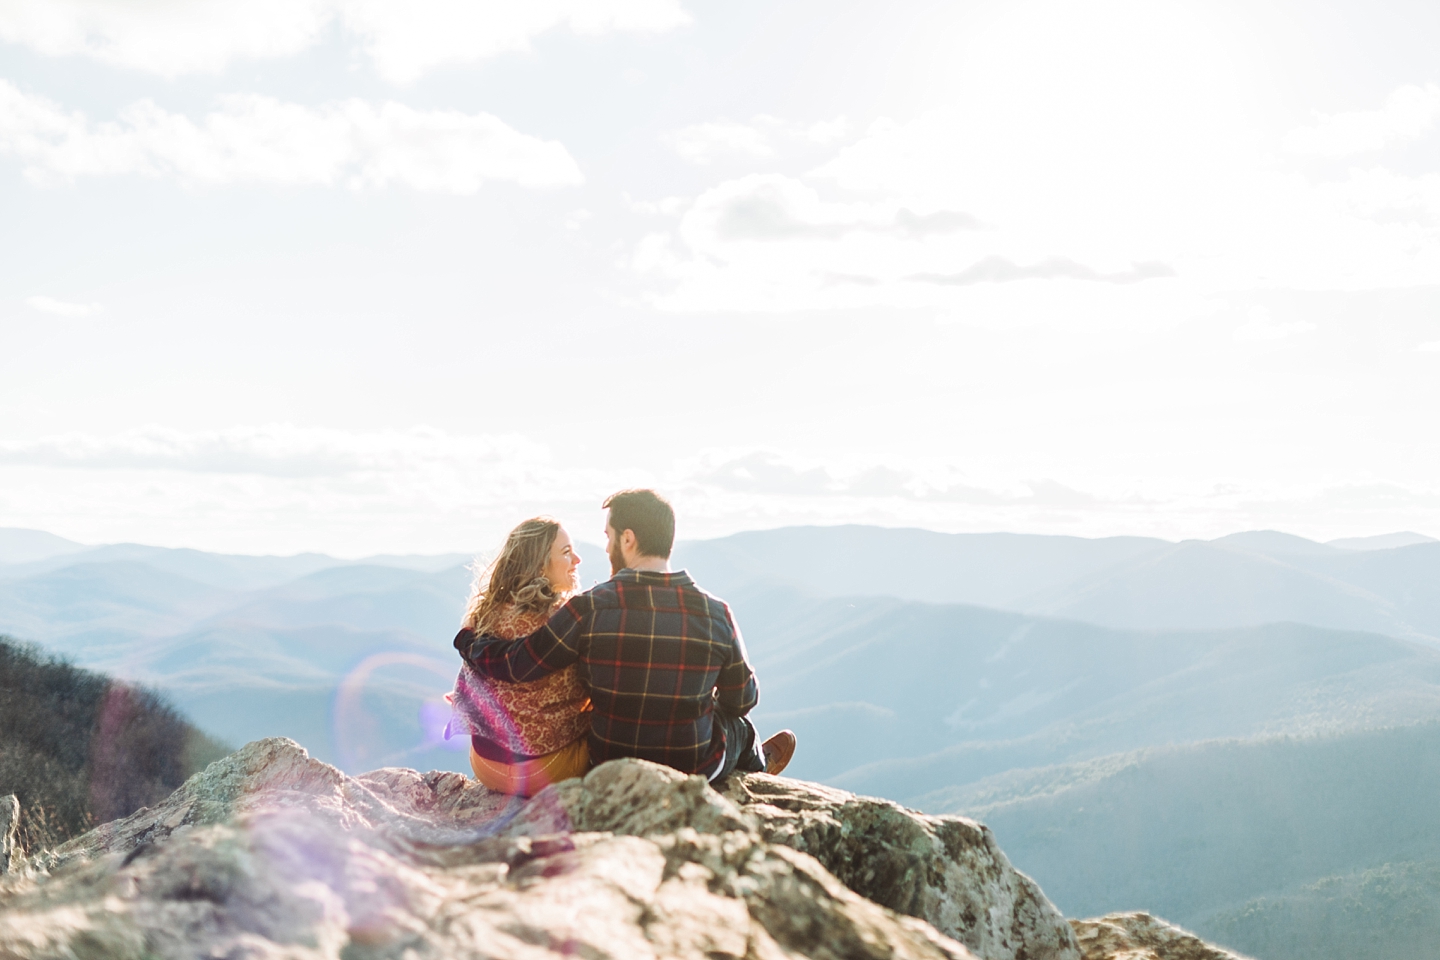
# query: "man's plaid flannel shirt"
657, 654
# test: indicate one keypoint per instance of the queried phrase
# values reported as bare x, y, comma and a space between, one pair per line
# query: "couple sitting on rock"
643, 665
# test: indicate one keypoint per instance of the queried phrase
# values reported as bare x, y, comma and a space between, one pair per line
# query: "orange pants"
529, 777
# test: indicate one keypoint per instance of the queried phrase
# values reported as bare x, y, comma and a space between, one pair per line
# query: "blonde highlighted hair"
516, 577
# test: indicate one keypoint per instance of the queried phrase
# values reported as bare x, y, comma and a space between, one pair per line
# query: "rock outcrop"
1139, 936
946, 870
271, 854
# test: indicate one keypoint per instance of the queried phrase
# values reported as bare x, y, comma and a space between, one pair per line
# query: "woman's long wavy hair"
516, 577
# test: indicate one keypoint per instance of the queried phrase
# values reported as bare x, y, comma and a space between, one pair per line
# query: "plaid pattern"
656, 652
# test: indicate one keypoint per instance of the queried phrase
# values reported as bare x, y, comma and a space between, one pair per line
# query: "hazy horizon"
1343, 543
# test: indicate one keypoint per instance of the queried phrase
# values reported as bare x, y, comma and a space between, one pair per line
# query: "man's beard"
617, 559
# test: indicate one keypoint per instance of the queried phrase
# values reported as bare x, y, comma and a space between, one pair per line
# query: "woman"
523, 736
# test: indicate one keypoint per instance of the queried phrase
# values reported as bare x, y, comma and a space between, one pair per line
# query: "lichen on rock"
1139, 936
947, 870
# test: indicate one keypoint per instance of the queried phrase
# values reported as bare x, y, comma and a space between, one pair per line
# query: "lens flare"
374, 719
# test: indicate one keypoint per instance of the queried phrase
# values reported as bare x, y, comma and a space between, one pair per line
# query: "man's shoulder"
709, 597
621, 591
703, 602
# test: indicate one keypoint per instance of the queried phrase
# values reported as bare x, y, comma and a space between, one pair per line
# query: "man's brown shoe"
778, 751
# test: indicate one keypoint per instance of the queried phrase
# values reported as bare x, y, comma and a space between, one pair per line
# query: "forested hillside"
78, 748
1284, 848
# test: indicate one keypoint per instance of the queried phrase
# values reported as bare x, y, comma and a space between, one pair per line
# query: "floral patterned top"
515, 721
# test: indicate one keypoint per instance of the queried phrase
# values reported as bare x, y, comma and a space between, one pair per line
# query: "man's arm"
735, 688
554, 646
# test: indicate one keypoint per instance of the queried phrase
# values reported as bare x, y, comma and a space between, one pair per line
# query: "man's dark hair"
649, 515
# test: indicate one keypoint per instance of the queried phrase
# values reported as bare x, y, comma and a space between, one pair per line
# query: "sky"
363, 276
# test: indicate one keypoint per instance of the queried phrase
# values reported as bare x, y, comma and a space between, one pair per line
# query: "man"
663, 660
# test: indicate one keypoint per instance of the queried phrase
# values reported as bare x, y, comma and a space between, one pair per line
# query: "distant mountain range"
254, 646
901, 699
247, 663
30, 552
259, 645
1384, 584
1024, 679
1379, 583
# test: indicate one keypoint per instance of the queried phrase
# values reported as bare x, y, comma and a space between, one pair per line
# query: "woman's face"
560, 568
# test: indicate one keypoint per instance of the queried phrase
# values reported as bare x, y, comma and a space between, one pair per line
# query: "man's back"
657, 653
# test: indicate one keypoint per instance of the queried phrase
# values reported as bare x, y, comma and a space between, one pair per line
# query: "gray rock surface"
1139, 936
9, 833
948, 870
271, 854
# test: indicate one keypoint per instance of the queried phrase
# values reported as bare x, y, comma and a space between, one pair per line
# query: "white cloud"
701, 143
1381, 196
577, 220
404, 37
763, 137
1070, 182
352, 143
277, 450
1259, 327
771, 207
768, 207
766, 472
1408, 113
768, 242
1080, 192
826, 131
665, 207
282, 488
408, 38
169, 38
1000, 270
62, 308
1432, 347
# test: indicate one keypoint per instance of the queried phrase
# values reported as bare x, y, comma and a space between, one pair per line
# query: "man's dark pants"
743, 751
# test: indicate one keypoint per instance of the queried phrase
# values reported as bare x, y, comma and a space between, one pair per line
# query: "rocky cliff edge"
272, 854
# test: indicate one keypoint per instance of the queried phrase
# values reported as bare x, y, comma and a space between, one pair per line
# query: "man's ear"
629, 543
